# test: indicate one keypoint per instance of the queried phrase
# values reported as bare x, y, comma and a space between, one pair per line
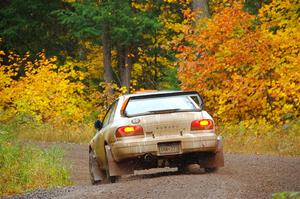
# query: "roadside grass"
258, 139
82, 133
24, 127
286, 195
24, 168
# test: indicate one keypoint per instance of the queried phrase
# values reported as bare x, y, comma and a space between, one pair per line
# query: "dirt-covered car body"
154, 129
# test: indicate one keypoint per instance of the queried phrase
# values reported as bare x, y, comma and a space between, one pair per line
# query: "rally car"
151, 130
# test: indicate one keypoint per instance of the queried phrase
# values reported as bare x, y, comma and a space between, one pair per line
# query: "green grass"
25, 168
286, 195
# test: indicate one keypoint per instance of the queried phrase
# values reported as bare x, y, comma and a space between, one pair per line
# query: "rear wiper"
166, 110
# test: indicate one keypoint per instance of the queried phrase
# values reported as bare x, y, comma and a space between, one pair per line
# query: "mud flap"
214, 160
95, 170
118, 168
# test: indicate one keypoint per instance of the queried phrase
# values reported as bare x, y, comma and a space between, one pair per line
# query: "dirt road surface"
244, 176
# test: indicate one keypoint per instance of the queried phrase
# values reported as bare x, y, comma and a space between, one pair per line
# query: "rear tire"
210, 170
181, 169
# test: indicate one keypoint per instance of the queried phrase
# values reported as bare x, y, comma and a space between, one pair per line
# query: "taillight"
125, 131
204, 124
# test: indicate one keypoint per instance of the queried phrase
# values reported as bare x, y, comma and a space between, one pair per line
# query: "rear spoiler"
154, 95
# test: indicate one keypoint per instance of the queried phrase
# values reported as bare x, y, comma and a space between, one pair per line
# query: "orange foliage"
240, 71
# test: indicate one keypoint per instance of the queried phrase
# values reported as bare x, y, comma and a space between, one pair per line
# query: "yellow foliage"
282, 15
46, 92
49, 92
217, 5
93, 62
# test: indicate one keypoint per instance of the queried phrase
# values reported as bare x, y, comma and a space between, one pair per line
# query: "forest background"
62, 62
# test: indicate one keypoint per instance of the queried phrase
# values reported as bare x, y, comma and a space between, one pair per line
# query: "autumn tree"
244, 71
48, 92
251, 6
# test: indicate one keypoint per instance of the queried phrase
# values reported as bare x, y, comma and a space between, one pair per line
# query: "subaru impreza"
152, 130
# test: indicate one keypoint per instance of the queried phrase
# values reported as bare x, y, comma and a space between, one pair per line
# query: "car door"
107, 121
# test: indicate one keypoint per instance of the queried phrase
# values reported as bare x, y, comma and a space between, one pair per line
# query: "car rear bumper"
130, 148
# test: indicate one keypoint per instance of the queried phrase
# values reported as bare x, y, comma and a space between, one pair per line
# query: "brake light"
204, 124
126, 131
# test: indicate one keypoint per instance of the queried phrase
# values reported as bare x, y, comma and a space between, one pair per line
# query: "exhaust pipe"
149, 158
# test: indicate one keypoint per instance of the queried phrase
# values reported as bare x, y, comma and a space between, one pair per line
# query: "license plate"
169, 148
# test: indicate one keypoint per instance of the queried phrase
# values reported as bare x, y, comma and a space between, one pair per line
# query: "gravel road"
244, 176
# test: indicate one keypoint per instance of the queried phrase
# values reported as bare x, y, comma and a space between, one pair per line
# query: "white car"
154, 129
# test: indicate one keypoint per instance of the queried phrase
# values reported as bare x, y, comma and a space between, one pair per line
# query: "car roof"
144, 93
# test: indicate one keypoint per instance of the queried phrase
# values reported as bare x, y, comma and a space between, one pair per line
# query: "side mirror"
98, 125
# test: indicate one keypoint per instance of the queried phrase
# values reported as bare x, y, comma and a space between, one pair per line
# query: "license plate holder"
169, 148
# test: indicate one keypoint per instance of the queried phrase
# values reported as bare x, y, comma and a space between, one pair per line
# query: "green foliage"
286, 195
253, 6
23, 168
169, 79
30, 27
85, 21
126, 26
144, 30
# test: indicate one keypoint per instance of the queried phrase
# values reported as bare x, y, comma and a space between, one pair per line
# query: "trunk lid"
177, 123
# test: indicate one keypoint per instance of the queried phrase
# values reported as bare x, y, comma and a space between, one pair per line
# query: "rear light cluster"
126, 131
203, 124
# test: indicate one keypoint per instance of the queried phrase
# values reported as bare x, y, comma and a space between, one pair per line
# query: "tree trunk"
121, 64
81, 53
202, 6
107, 55
127, 71
125, 66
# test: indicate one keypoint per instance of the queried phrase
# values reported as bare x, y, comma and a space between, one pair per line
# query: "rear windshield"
160, 105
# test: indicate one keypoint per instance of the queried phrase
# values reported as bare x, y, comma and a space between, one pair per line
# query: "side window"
106, 118
110, 114
114, 107
197, 100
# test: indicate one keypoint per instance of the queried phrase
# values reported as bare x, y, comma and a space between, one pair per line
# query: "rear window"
160, 104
